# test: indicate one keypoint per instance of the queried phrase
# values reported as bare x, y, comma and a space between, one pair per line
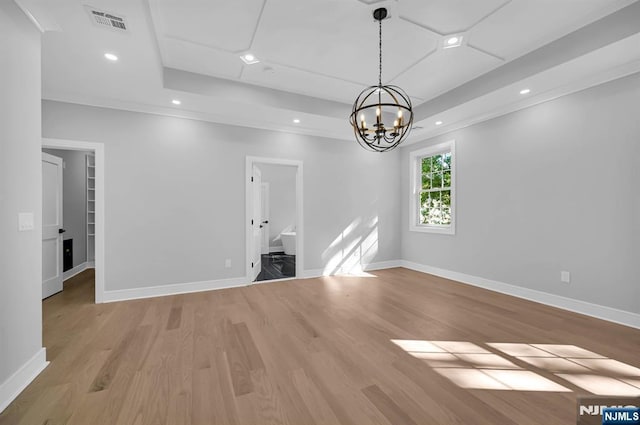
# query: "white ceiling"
317, 55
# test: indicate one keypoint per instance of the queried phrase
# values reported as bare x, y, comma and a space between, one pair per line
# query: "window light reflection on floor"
471, 366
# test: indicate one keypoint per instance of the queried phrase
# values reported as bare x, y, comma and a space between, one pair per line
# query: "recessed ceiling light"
438, 122
176, 102
525, 91
249, 58
296, 121
111, 57
452, 41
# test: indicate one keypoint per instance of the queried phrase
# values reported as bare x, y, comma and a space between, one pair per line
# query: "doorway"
274, 216
91, 241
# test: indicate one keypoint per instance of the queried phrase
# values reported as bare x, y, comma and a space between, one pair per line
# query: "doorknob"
265, 222
61, 230
261, 226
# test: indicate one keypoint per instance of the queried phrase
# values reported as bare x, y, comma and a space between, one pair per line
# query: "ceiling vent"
106, 19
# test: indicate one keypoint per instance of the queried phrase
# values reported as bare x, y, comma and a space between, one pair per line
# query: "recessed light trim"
296, 121
249, 58
438, 122
452, 41
111, 57
525, 91
176, 102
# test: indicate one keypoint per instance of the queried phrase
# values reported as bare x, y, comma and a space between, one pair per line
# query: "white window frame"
415, 181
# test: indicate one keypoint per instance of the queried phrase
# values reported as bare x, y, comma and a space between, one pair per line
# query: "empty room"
319, 212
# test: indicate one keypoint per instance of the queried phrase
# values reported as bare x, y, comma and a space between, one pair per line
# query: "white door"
265, 218
51, 225
256, 222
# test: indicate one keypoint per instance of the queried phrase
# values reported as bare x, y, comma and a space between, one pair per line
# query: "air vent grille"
106, 19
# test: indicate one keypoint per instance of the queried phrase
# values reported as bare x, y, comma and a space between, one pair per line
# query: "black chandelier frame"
380, 138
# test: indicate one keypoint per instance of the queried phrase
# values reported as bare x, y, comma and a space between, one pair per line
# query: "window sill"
449, 230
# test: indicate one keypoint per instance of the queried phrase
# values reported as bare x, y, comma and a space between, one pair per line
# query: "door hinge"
252, 222
251, 178
251, 265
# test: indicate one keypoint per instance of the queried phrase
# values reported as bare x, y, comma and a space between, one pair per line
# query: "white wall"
20, 191
74, 197
282, 199
549, 188
174, 194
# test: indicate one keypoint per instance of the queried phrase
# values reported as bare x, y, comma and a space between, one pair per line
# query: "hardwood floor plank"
239, 365
388, 407
399, 347
174, 318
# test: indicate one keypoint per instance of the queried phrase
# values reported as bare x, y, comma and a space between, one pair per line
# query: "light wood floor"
317, 351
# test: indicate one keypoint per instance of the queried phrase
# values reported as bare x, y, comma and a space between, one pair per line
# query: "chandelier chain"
380, 51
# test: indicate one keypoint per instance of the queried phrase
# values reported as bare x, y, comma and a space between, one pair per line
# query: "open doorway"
68, 216
274, 219
75, 230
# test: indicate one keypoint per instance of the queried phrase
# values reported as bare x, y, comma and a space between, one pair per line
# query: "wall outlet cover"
25, 221
565, 277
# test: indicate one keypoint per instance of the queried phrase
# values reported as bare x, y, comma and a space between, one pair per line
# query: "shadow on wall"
353, 248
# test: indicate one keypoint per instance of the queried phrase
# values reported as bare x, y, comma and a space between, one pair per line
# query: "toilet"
289, 242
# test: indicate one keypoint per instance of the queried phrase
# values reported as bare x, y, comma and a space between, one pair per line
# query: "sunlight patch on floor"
470, 366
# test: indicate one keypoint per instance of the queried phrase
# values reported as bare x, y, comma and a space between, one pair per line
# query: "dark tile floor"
277, 265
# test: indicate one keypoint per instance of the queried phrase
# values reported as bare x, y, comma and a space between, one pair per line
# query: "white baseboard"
172, 289
308, 274
16, 383
77, 270
594, 310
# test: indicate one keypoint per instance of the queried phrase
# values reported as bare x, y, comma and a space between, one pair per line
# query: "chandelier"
387, 107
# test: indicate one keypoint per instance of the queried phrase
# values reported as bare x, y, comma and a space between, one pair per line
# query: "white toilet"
289, 242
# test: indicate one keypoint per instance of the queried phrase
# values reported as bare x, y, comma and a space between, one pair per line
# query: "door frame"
255, 160
264, 197
98, 151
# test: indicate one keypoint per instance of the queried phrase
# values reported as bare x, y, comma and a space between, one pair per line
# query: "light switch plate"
25, 222
565, 277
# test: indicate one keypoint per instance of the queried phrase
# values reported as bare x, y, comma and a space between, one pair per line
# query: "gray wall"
20, 190
282, 199
74, 200
549, 188
174, 196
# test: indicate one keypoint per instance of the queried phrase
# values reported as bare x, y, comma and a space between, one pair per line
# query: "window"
432, 204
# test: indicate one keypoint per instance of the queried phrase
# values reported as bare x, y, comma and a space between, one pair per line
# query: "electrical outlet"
227, 263
565, 277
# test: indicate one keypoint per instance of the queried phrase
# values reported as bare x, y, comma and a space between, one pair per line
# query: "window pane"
435, 199
436, 180
424, 200
426, 181
436, 216
446, 198
446, 215
446, 161
424, 207
446, 179
426, 165
436, 163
